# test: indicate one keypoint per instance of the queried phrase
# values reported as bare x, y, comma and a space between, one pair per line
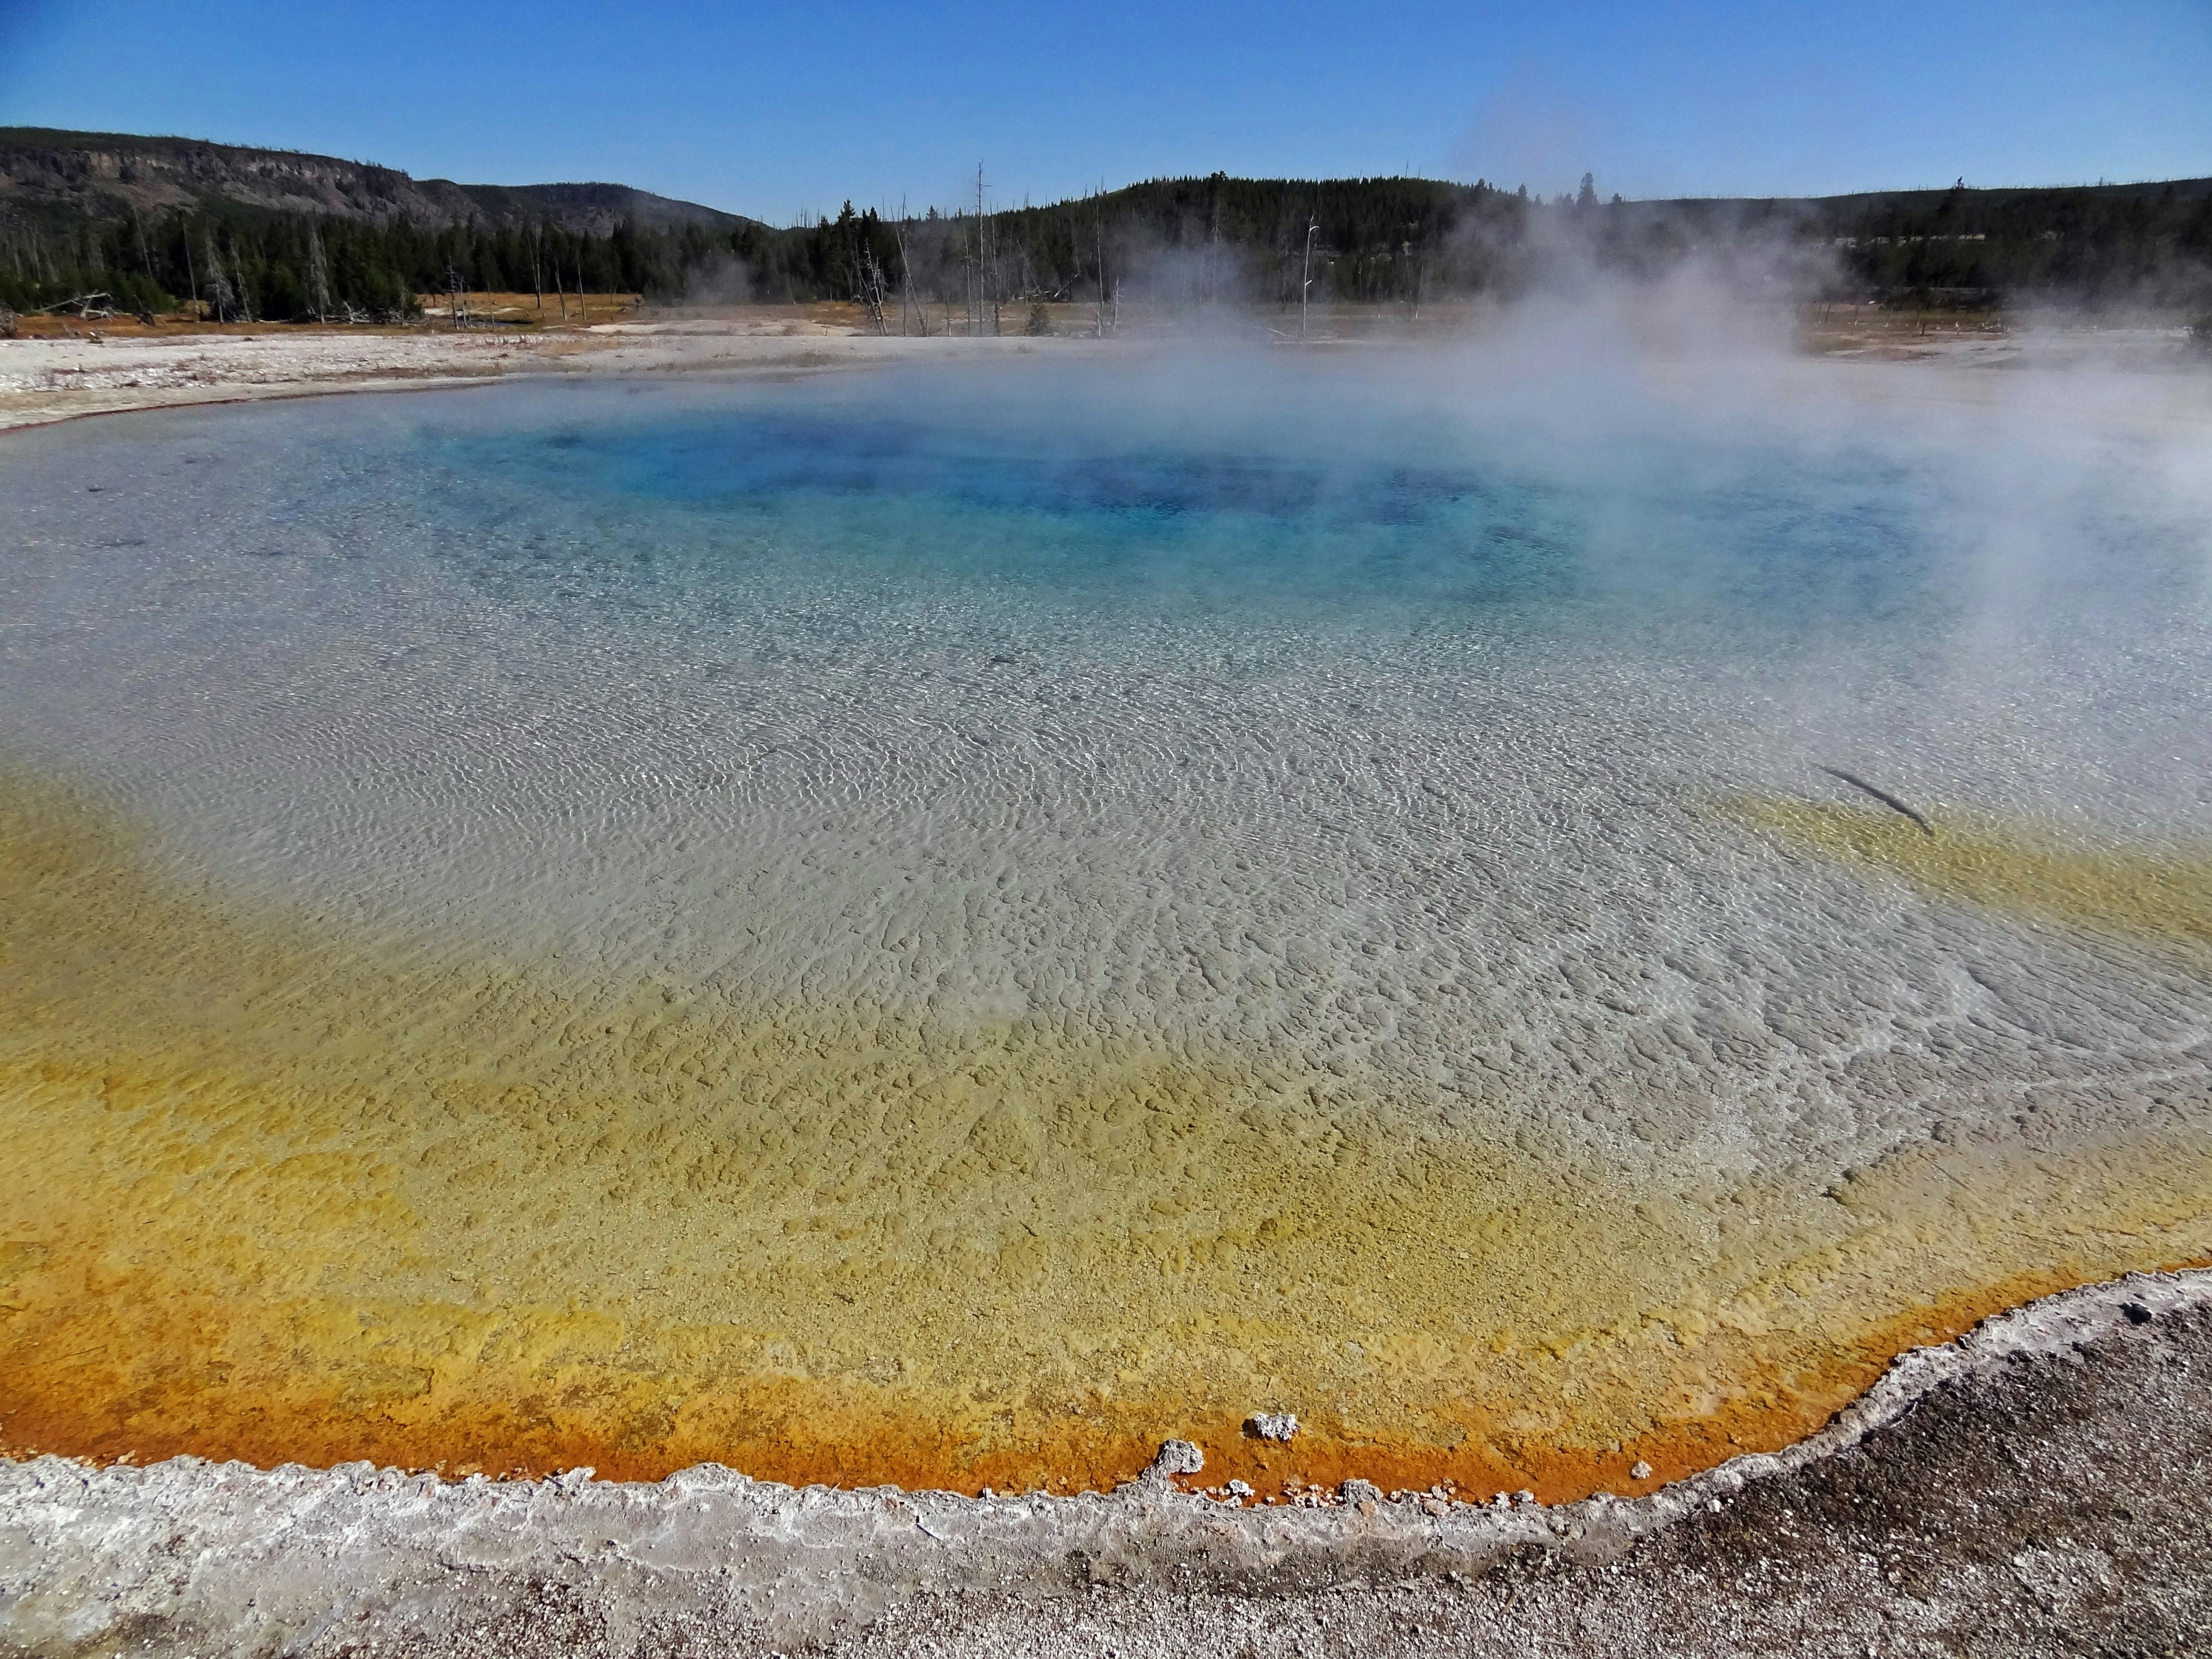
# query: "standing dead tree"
138, 232
987, 294
221, 296
1305, 274
1098, 239
976, 282
319, 278
906, 283
868, 279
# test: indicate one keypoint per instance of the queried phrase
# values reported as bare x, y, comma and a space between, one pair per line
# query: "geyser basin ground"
943, 929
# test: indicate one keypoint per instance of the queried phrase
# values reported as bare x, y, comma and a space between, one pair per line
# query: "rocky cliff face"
111, 175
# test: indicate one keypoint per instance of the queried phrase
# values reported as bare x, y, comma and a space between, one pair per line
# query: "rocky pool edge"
285, 1558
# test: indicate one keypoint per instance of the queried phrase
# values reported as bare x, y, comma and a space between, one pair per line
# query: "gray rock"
1175, 1457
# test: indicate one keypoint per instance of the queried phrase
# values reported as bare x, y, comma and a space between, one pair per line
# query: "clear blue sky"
774, 109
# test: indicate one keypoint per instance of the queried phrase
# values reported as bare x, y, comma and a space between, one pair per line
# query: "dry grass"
548, 310
484, 309
1824, 330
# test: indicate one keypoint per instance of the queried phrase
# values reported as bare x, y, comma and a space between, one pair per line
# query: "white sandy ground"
44, 381
189, 1556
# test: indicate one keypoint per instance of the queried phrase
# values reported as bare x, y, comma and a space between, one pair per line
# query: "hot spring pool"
943, 928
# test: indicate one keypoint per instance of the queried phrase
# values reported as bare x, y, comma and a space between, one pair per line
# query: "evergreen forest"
1194, 241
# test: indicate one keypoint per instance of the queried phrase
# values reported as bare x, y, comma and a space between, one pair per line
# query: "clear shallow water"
1048, 911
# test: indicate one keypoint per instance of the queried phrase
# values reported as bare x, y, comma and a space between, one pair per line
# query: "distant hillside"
51, 176
157, 224
1399, 240
2147, 244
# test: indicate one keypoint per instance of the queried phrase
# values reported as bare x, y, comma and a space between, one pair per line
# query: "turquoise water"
1385, 517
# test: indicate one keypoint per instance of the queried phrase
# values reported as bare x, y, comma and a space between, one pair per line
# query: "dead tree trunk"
871, 285
906, 288
318, 277
1305, 275
220, 293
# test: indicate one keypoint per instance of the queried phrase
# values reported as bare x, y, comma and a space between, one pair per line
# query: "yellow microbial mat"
277, 1196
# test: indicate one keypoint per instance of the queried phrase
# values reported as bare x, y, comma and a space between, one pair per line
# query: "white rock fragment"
1641, 1471
1175, 1457
1274, 1425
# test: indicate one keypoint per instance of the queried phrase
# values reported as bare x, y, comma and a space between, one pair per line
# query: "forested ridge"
271, 234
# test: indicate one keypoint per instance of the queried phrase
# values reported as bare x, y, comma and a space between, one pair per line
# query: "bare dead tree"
96, 307
318, 277
1098, 237
246, 310
906, 281
869, 279
219, 293
976, 311
1305, 274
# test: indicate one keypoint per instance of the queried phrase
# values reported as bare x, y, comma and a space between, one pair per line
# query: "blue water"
1393, 518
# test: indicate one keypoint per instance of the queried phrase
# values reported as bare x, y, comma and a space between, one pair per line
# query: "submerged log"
1881, 795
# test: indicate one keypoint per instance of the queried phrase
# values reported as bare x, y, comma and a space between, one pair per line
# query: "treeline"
1401, 240
2147, 245
1188, 241
246, 264
1203, 240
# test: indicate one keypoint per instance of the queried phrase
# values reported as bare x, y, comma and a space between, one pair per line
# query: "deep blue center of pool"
1387, 519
